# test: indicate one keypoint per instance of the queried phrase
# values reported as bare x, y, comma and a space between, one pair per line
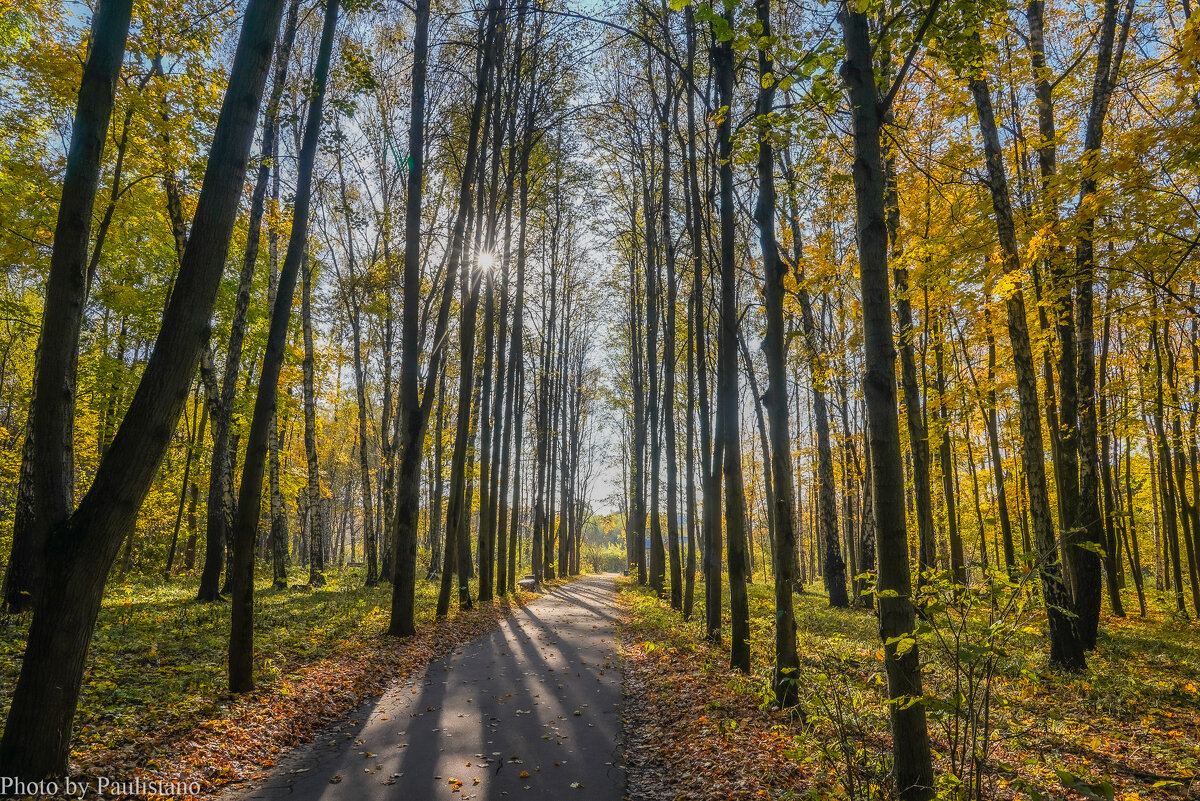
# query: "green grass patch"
1132, 719
159, 658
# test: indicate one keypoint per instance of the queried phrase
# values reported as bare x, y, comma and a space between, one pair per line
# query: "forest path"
530, 711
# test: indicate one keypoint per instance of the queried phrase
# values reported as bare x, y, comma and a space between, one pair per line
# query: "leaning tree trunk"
458, 260
46, 487
279, 522
224, 451
262, 425
36, 737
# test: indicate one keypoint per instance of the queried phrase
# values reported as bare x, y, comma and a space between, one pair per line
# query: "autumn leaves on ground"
698, 730
154, 704
862, 335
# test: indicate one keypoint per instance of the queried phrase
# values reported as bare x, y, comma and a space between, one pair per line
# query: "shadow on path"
540, 696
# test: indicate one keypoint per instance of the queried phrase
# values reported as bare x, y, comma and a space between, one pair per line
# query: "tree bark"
958, 564
1066, 650
727, 372
241, 629
36, 734
220, 506
775, 349
411, 414
469, 297
1088, 519
46, 486
912, 768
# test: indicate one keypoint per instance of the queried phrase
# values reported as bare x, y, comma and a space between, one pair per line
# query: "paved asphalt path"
531, 711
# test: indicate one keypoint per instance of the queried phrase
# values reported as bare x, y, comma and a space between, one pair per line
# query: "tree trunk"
993, 431
1166, 483
946, 456
241, 629
1112, 559
36, 735
316, 528
461, 261
195, 437
411, 411
709, 462
727, 373
505, 546
46, 486
775, 350
657, 568
1088, 518
220, 506
1066, 650
912, 768
669, 359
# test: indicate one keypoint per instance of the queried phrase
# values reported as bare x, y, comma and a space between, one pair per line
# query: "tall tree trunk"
37, 731
653, 398
636, 535
46, 486
462, 262
411, 410
220, 506
1066, 650
279, 523
514, 530
1166, 483
669, 357
241, 628
775, 350
727, 373
1088, 519
991, 417
436, 523
689, 570
918, 434
353, 304
709, 456
195, 437
833, 568
316, 517
506, 545
958, 564
913, 768
1112, 542
1134, 551
867, 537
764, 445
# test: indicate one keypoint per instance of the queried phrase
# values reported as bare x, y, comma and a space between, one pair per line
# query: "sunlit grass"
1135, 707
159, 655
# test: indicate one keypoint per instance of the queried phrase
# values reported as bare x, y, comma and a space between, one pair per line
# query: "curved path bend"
530, 711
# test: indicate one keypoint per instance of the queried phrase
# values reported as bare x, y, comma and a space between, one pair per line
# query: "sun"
486, 260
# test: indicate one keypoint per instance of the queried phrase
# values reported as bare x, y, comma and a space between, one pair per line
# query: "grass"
1133, 720
156, 673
